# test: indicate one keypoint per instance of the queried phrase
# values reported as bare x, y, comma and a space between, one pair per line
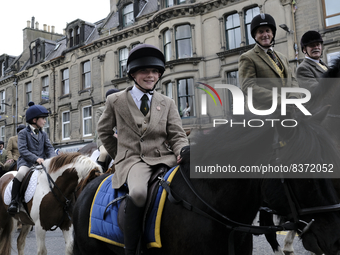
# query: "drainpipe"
296, 48
15, 83
54, 106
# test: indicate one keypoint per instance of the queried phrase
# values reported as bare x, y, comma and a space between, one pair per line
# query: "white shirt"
314, 60
137, 95
265, 49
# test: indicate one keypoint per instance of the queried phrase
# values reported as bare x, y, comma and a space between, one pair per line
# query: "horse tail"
5, 237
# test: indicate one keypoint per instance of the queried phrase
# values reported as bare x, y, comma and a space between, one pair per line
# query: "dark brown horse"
51, 204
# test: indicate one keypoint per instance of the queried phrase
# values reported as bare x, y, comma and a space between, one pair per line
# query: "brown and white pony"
51, 206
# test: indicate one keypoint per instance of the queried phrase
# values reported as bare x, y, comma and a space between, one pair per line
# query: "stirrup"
13, 207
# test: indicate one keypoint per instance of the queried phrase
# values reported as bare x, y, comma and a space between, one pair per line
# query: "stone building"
69, 74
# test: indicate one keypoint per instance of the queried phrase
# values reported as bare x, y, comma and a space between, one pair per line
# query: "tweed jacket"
32, 146
255, 64
3, 157
308, 74
99, 113
133, 145
12, 148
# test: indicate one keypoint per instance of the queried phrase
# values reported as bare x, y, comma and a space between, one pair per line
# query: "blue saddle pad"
107, 230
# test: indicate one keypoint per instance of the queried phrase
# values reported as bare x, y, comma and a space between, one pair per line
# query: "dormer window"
169, 3
128, 18
38, 53
71, 37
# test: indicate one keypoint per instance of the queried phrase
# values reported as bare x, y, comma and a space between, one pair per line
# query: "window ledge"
237, 51
65, 96
180, 61
90, 90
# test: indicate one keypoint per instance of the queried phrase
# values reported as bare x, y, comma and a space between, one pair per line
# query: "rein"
66, 204
295, 208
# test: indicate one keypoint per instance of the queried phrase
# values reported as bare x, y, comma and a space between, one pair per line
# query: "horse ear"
321, 114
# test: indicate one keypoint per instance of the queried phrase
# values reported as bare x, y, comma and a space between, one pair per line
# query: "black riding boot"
132, 226
13, 207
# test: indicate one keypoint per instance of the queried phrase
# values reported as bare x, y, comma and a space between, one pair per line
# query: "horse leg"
21, 240
266, 219
68, 236
288, 243
40, 235
6, 234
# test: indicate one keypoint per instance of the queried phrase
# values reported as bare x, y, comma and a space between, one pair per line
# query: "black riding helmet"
310, 37
263, 19
35, 111
20, 127
145, 56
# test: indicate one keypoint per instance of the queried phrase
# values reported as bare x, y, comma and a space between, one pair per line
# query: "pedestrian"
101, 148
312, 67
34, 147
3, 155
12, 150
144, 119
263, 62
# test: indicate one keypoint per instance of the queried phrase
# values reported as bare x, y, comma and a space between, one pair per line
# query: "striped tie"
274, 58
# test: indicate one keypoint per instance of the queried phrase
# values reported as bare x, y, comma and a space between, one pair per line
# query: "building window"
331, 57
2, 101
71, 37
46, 127
167, 44
186, 98
2, 133
232, 78
77, 35
28, 86
86, 74
249, 15
38, 53
123, 56
87, 121
2, 69
233, 31
169, 3
128, 18
168, 89
183, 42
331, 9
66, 125
65, 82
45, 88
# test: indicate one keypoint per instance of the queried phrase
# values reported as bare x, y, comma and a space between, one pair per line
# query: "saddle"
153, 186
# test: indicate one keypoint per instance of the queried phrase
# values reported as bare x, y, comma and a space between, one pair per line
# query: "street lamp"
286, 28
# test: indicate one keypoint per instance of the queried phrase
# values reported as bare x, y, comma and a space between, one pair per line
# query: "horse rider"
12, 150
263, 62
101, 148
312, 67
3, 155
144, 119
34, 147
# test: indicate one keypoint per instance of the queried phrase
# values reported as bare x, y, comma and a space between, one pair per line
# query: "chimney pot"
53, 29
28, 24
37, 25
45, 27
33, 22
49, 29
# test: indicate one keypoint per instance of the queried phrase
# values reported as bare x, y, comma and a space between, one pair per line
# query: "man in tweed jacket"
257, 70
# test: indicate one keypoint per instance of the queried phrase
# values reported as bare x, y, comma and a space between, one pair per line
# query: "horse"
326, 93
92, 151
228, 206
50, 207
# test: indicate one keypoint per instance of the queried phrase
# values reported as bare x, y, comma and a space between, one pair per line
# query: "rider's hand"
179, 159
40, 161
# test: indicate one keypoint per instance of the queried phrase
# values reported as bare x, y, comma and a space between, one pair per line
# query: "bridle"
222, 219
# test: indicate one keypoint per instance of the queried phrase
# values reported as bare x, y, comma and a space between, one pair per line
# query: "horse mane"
238, 145
61, 160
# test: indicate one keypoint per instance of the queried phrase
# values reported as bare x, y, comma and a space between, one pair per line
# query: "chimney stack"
45, 27
33, 22
28, 24
53, 29
37, 25
49, 29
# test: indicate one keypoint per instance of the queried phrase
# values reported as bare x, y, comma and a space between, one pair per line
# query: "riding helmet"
2, 142
111, 91
20, 127
35, 111
145, 56
262, 19
310, 37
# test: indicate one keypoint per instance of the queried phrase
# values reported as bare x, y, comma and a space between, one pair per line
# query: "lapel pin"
158, 108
